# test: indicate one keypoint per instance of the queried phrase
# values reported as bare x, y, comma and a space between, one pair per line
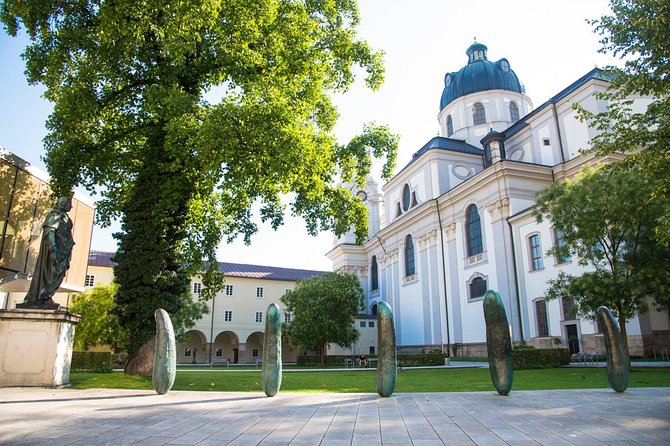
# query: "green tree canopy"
134, 120
98, 326
323, 311
638, 33
607, 217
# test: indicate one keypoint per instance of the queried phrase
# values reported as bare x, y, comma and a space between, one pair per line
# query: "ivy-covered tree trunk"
150, 270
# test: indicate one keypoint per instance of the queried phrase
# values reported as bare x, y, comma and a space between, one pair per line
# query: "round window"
406, 197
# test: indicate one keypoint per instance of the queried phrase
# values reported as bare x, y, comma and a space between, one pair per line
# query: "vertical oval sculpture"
165, 353
387, 362
618, 363
272, 366
498, 343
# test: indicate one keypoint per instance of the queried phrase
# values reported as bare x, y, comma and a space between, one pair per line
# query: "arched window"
373, 310
478, 114
473, 231
513, 111
374, 275
410, 267
450, 126
477, 287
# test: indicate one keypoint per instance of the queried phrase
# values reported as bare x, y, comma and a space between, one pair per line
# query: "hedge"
99, 362
545, 358
403, 360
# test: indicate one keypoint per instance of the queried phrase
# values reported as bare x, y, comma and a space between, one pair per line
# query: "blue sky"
548, 44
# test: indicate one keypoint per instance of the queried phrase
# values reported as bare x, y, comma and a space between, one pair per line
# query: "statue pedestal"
36, 347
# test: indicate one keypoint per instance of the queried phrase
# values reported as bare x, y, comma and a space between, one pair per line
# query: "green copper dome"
480, 74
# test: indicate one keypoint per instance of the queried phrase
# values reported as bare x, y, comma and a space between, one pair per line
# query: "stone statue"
53, 259
498, 343
272, 366
618, 362
165, 354
387, 365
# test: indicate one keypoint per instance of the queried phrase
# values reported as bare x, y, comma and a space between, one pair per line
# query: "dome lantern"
476, 52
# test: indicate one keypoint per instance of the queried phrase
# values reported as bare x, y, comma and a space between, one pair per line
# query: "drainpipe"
558, 132
444, 276
516, 281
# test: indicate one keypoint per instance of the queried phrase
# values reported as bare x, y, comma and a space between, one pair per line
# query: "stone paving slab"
36, 416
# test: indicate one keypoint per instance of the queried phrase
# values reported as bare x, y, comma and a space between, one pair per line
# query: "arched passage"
193, 349
226, 347
254, 346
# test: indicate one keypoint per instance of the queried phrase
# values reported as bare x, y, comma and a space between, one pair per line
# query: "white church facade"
457, 219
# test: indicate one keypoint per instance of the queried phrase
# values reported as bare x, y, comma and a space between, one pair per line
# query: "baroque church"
457, 220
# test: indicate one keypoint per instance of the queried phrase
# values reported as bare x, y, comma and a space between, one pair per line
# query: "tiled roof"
267, 272
104, 258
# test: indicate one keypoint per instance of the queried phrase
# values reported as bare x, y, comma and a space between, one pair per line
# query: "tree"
134, 120
637, 32
98, 326
323, 311
607, 217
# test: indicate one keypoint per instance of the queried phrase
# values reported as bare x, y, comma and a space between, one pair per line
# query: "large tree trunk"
322, 352
143, 363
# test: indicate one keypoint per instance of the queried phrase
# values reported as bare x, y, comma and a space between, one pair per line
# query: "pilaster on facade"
389, 258
427, 239
499, 209
449, 231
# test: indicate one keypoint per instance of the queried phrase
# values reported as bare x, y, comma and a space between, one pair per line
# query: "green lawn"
429, 380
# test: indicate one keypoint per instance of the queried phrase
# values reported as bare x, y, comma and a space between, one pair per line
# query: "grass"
428, 380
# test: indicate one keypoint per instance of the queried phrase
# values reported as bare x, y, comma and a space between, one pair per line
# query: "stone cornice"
360, 271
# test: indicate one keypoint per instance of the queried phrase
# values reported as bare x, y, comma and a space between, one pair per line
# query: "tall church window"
541, 318
473, 231
478, 114
374, 274
410, 268
559, 241
513, 111
450, 126
535, 248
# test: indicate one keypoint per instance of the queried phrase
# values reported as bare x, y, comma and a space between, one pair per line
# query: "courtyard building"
233, 330
457, 219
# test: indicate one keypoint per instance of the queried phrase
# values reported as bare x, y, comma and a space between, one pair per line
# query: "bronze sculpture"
53, 259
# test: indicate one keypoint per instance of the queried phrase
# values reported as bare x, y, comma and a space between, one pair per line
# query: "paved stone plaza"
36, 416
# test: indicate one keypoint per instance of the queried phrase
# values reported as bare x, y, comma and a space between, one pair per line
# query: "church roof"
480, 74
448, 144
595, 73
104, 258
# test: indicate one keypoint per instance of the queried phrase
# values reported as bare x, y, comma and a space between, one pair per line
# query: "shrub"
316, 360
430, 358
540, 358
99, 362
